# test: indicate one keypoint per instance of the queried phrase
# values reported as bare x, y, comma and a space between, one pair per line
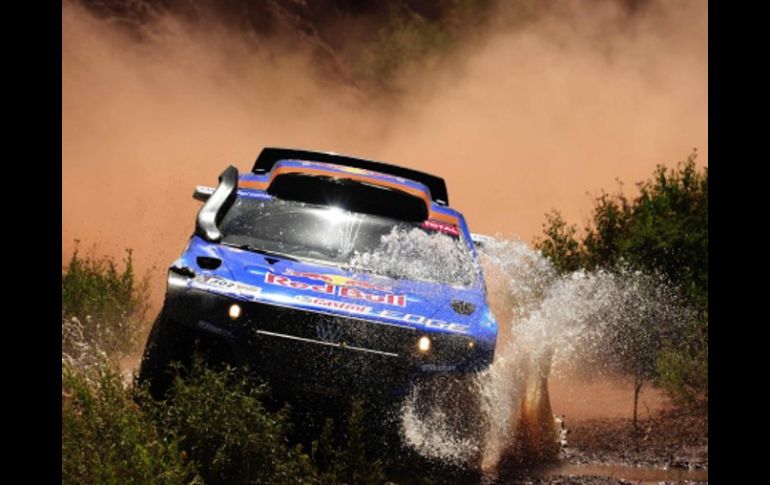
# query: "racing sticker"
252, 194
367, 310
425, 321
337, 305
337, 280
226, 287
439, 226
332, 289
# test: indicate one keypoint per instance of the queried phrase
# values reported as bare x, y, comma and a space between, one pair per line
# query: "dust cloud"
519, 122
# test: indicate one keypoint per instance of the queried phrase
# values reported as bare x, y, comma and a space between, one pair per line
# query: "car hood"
251, 276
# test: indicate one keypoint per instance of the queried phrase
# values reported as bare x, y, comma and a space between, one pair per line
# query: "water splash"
88, 348
80, 349
440, 419
608, 321
415, 254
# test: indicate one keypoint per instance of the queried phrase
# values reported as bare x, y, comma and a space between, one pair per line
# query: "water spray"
548, 321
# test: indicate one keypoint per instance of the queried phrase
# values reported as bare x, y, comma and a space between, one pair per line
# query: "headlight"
235, 311
423, 344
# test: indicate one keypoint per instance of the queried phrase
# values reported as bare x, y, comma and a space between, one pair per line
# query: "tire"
167, 343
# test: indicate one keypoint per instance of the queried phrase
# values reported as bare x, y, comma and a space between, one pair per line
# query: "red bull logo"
338, 280
332, 289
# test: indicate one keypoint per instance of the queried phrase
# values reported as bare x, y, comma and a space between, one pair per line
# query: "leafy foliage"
214, 429
102, 307
348, 463
224, 426
683, 370
663, 231
107, 438
560, 245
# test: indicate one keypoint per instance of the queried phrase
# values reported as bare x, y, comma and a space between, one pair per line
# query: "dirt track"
669, 447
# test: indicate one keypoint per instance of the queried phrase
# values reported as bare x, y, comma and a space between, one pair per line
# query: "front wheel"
167, 343
443, 420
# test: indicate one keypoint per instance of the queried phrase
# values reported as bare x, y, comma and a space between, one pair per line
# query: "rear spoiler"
270, 156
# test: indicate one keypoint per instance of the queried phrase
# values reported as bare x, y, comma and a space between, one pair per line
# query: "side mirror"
203, 193
480, 240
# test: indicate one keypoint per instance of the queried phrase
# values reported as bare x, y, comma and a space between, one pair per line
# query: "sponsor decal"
339, 305
434, 225
337, 280
401, 316
251, 194
425, 321
387, 298
287, 282
226, 287
331, 289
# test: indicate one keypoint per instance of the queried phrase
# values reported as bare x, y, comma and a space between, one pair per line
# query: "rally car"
328, 275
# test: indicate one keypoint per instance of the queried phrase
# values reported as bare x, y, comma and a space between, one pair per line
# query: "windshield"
359, 241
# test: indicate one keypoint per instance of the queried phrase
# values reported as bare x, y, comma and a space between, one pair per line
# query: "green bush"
662, 231
560, 245
683, 369
107, 438
215, 428
227, 432
348, 463
103, 308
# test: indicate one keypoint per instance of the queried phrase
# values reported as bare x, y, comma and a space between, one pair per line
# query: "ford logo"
328, 331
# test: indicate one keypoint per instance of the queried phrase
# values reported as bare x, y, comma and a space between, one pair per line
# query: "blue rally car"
329, 275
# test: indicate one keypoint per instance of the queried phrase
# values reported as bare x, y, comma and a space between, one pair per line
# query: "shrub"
683, 370
107, 438
231, 438
103, 309
662, 231
347, 463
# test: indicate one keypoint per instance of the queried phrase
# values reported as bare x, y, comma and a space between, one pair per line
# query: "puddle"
631, 473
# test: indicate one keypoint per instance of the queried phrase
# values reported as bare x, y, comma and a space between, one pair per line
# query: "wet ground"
668, 448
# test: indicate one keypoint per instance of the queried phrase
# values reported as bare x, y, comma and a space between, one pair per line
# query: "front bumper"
301, 350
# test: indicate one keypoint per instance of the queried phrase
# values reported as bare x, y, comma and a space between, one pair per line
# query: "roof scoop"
213, 210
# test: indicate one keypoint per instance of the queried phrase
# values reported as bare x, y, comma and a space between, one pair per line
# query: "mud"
669, 440
667, 448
